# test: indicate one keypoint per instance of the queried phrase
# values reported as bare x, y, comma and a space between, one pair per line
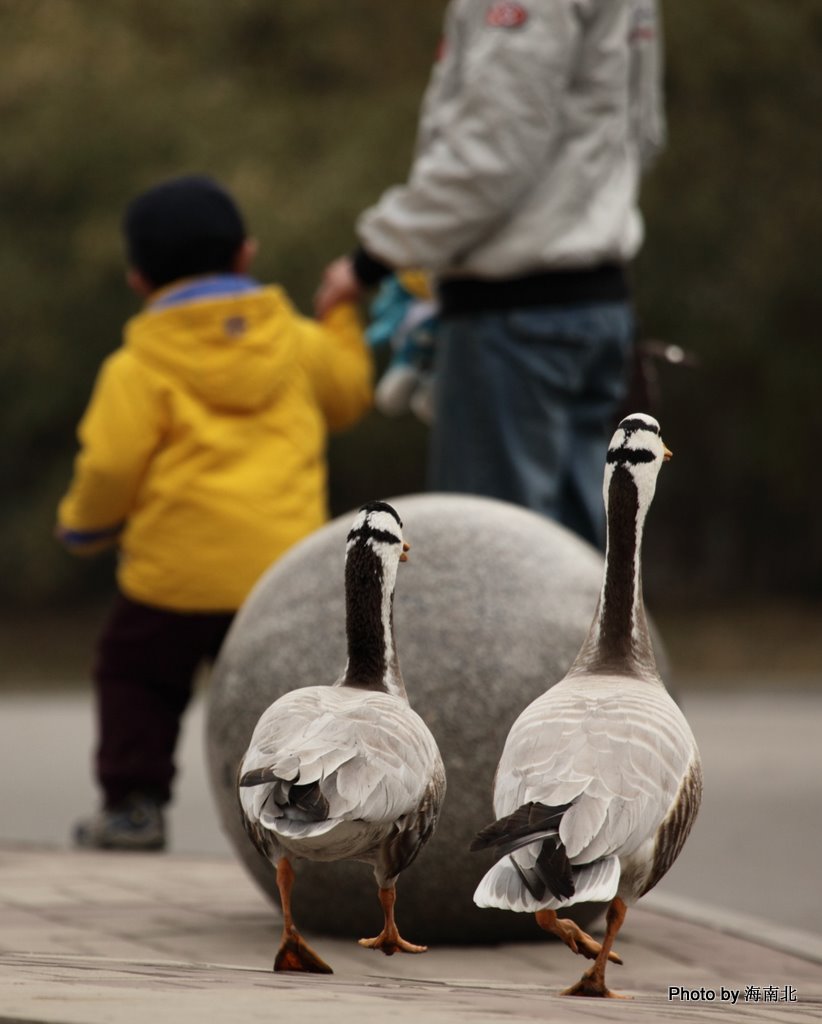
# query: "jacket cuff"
369, 269
82, 540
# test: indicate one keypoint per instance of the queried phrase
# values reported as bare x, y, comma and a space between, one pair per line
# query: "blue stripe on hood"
218, 286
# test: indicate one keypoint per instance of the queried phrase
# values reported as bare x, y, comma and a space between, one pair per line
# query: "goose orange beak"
667, 454
405, 547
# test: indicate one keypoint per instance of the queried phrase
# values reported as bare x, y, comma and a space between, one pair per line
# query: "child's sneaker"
136, 824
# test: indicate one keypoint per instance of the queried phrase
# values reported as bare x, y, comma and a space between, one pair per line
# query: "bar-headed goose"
600, 779
349, 771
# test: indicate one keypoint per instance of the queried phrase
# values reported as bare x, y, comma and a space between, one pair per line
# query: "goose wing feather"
618, 753
370, 753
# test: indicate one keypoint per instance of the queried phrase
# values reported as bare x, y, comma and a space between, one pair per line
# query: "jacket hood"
230, 347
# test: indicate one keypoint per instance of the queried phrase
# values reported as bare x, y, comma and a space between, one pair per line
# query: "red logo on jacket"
506, 15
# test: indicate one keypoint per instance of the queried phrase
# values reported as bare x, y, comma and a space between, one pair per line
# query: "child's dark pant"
147, 659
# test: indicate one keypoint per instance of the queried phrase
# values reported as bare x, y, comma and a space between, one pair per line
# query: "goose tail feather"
597, 882
504, 888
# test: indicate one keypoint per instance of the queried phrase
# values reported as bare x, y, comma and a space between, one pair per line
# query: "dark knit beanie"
181, 228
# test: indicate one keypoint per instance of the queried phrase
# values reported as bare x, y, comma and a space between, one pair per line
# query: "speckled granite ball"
489, 610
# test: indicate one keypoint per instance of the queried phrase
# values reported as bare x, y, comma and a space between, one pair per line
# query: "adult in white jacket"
522, 202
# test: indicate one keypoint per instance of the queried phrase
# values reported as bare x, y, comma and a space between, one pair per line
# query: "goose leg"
572, 935
592, 983
389, 940
294, 954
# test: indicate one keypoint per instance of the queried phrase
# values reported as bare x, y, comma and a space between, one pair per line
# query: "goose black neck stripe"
629, 456
370, 533
631, 426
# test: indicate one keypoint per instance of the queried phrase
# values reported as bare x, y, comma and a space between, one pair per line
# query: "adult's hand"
339, 284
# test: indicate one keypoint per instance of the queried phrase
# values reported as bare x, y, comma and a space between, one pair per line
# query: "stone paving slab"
93, 938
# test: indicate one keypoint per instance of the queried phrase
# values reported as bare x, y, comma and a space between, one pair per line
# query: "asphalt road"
755, 849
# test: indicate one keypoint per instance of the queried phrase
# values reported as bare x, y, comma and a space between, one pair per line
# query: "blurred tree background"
307, 111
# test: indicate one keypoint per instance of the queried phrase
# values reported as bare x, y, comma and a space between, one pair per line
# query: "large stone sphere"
489, 611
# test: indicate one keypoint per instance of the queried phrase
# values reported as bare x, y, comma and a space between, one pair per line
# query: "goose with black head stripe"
348, 771
600, 779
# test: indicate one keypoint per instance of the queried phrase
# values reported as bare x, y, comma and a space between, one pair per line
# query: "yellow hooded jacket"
203, 445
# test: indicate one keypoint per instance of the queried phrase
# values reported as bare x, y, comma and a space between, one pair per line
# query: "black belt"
605, 283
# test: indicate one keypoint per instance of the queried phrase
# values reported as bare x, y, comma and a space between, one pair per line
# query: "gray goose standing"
349, 771
600, 779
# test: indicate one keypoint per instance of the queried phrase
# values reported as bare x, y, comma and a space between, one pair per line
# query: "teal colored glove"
388, 310
408, 324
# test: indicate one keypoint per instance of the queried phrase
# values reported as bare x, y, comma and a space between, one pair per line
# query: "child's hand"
339, 284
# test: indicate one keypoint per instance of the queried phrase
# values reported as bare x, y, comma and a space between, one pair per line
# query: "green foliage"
734, 213
307, 111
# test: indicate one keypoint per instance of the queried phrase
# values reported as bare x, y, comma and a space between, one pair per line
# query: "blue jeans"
525, 402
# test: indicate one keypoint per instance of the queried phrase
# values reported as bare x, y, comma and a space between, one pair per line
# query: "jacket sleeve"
118, 435
339, 364
489, 140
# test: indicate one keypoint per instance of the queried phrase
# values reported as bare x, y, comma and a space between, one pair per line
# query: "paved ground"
91, 938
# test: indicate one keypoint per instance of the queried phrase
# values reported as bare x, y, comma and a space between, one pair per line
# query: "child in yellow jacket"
202, 457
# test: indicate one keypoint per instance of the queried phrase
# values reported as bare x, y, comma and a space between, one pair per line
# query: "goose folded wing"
372, 757
395, 763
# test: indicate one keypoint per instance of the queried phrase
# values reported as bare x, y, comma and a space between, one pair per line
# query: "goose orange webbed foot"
391, 942
591, 985
592, 982
577, 940
296, 955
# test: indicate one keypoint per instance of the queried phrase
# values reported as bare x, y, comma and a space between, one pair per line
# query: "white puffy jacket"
536, 123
